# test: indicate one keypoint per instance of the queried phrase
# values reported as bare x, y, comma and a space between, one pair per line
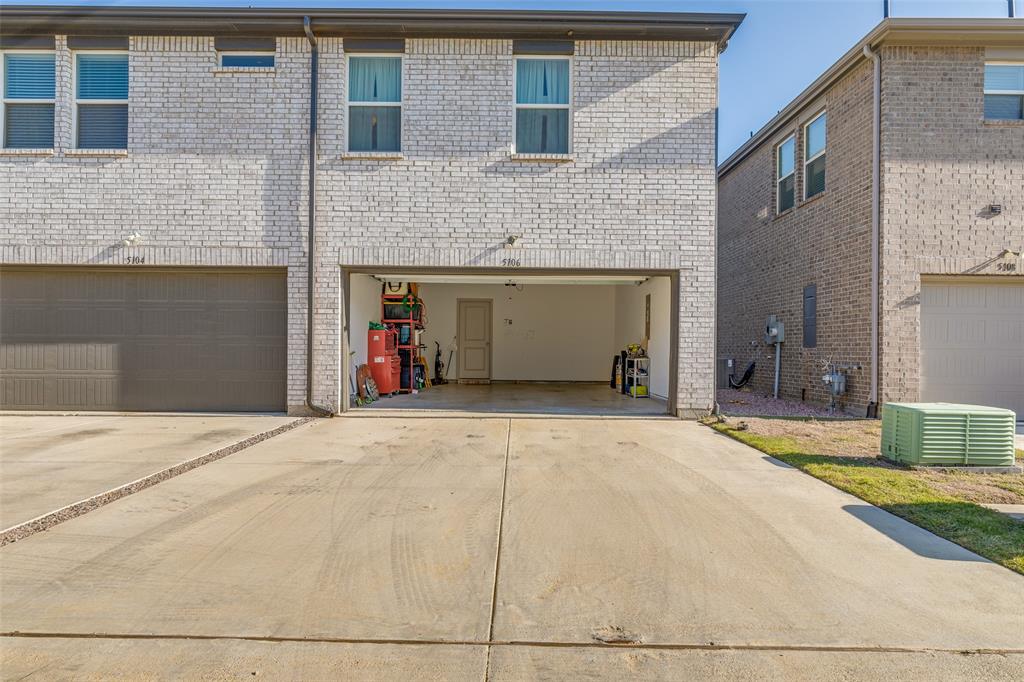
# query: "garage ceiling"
436, 278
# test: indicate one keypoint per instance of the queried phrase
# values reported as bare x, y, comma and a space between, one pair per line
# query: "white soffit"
436, 278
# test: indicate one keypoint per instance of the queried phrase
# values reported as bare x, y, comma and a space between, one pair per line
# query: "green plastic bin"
949, 434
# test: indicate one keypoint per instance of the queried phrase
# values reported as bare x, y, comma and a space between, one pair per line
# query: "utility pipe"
778, 367
314, 61
876, 117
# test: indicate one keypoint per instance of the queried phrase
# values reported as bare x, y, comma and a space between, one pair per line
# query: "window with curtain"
542, 106
785, 174
814, 157
101, 100
1004, 92
28, 97
374, 104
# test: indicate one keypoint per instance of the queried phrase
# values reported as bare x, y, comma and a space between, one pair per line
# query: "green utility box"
947, 434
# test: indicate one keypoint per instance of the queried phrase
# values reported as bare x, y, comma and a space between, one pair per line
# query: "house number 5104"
135, 260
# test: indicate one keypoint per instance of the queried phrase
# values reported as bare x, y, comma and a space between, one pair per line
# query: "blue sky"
780, 49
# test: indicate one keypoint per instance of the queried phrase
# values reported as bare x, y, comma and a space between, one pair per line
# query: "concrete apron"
380, 538
50, 461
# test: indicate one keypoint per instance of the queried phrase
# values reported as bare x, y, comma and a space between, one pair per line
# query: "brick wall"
765, 260
216, 175
942, 166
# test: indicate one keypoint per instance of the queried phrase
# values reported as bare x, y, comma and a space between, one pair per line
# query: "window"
542, 105
247, 60
374, 104
28, 96
811, 316
101, 100
814, 157
1004, 91
785, 169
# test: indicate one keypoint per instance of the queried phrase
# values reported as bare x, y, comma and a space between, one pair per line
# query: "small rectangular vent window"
255, 60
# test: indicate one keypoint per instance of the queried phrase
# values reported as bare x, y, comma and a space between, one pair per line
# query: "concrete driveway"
502, 549
48, 462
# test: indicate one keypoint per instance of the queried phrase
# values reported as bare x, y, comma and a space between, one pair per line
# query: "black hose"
744, 379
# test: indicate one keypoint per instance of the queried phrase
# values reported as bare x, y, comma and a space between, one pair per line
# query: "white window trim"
809, 161
4, 101
248, 53
516, 106
779, 177
76, 101
400, 104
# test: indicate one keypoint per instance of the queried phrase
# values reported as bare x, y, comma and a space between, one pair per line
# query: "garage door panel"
142, 340
972, 342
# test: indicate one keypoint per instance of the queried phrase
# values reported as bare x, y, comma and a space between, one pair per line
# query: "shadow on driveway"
916, 539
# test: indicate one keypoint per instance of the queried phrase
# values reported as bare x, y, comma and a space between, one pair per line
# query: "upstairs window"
542, 105
785, 173
374, 104
1004, 92
247, 60
814, 157
101, 100
28, 97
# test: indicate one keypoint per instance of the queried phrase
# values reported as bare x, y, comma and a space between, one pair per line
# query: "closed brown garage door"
142, 339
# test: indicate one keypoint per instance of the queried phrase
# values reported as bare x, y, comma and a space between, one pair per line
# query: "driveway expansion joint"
550, 644
50, 519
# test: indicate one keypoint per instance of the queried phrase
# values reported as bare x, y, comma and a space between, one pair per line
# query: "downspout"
314, 59
876, 192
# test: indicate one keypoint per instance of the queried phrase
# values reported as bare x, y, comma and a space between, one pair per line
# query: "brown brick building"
898, 177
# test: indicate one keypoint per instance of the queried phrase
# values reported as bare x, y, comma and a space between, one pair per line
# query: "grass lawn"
945, 503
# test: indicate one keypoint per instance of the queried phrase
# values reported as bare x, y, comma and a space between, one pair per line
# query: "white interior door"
474, 339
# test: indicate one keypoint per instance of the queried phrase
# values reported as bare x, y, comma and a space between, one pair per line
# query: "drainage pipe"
876, 191
314, 60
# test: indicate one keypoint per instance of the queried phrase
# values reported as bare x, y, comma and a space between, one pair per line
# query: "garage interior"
512, 343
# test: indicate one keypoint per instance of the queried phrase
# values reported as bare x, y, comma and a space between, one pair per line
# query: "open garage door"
972, 342
518, 343
142, 339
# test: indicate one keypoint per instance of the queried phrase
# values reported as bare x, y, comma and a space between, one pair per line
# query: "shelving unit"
634, 378
414, 322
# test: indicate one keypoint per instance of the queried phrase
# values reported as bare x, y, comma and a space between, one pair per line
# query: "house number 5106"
511, 262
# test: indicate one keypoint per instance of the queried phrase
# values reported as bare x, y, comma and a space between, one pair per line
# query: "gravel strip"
51, 519
746, 404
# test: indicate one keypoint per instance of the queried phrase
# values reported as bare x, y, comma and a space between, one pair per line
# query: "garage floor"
504, 549
48, 462
556, 399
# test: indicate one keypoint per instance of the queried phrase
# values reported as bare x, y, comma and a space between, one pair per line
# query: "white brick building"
214, 180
